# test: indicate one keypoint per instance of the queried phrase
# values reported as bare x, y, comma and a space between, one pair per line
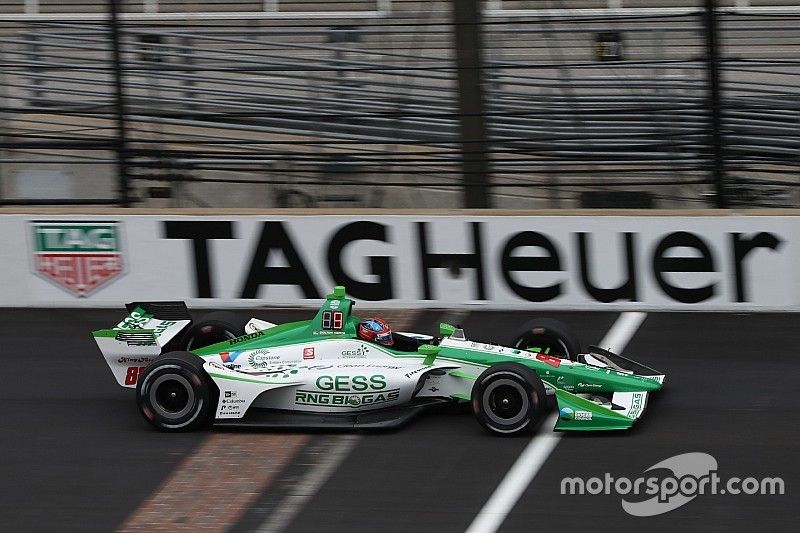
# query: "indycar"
227, 371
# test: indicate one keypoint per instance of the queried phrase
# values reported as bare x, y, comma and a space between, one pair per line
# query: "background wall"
583, 261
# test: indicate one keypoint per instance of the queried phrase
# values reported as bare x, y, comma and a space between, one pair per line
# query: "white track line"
308, 485
506, 495
621, 332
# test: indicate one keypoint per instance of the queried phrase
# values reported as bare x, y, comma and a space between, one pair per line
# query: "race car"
320, 373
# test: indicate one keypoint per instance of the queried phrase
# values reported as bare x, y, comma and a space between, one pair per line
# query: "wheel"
509, 399
213, 328
174, 393
548, 336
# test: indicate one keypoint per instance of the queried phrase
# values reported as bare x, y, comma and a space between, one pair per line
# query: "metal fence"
370, 103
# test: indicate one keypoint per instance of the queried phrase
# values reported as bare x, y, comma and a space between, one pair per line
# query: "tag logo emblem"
79, 257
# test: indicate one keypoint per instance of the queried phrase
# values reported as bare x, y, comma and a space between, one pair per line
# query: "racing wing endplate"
140, 337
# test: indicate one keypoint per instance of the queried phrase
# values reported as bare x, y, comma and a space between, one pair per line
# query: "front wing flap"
580, 414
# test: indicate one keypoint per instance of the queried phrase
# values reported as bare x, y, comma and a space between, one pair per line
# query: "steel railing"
298, 105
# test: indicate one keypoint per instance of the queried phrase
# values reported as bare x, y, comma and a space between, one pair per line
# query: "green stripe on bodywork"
105, 333
465, 375
248, 380
274, 336
459, 396
574, 378
112, 333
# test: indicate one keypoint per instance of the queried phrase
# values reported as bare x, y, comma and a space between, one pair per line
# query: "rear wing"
145, 333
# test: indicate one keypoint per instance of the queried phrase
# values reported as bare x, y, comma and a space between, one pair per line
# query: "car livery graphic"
226, 370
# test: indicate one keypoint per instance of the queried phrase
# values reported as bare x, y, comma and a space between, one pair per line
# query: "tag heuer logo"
80, 257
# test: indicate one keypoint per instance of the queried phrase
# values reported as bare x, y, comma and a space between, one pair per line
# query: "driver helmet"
375, 330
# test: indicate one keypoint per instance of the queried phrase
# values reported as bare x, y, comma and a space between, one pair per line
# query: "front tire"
509, 399
174, 393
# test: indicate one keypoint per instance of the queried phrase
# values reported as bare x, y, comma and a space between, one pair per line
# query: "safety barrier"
723, 261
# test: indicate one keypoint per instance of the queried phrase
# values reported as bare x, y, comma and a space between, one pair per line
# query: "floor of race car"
78, 456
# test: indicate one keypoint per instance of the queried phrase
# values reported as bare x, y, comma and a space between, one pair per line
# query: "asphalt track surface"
77, 456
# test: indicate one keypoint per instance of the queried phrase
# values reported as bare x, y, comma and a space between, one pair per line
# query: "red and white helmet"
375, 330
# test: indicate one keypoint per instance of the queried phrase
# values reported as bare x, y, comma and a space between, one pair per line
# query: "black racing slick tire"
213, 328
174, 393
549, 336
509, 399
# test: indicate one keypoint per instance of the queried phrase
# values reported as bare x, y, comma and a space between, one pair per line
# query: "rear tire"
548, 336
212, 328
509, 399
174, 393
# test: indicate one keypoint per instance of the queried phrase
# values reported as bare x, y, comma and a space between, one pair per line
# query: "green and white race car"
319, 374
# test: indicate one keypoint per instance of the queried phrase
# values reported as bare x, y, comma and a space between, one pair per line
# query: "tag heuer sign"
80, 257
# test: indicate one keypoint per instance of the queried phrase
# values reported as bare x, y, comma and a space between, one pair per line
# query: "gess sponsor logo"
358, 353
351, 383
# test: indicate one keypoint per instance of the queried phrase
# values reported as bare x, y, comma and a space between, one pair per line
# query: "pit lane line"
519, 477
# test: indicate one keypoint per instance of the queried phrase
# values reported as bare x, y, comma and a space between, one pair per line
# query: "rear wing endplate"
140, 337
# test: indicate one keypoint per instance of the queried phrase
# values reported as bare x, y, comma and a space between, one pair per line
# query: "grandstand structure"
335, 103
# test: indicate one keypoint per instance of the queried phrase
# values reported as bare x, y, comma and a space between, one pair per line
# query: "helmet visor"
384, 338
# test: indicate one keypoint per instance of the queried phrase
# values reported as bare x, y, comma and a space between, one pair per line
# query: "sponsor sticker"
138, 319
244, 338
308, 353
164, 326
132, 374
333, 399
261, 358
229, 357
79, 257
548, 359
345, 383
359, 353
636, 405
417, 371
129, 360
232, 401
